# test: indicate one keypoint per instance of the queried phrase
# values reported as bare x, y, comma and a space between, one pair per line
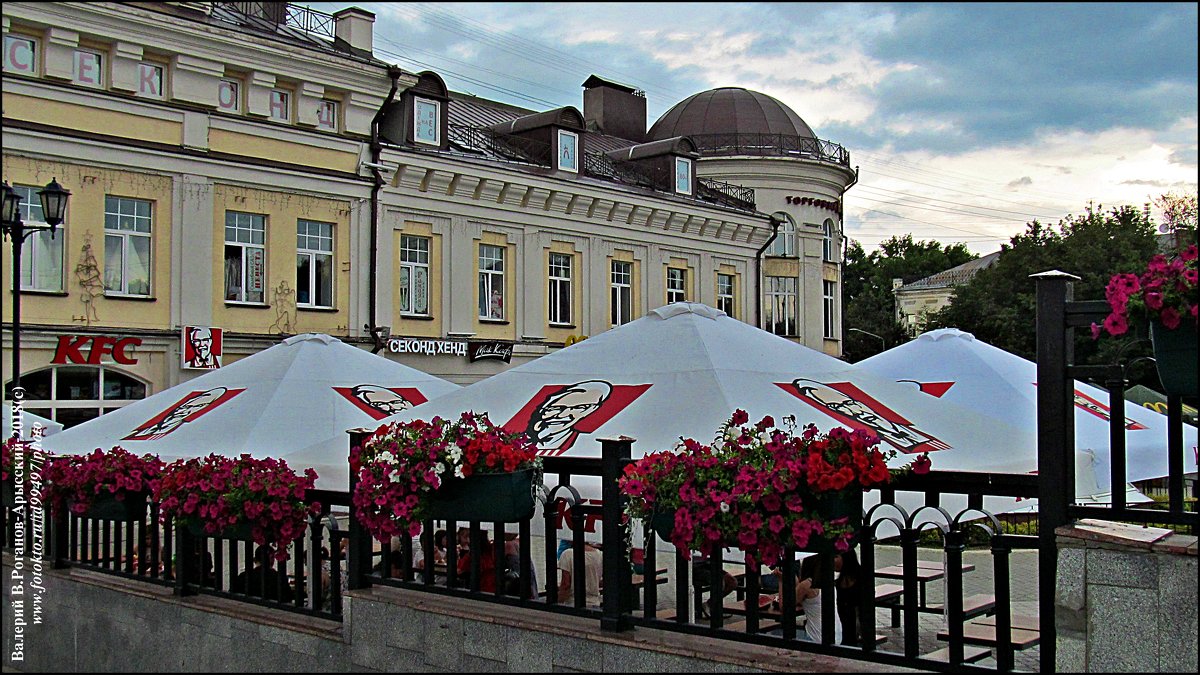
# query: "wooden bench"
973, 606
888, 594
980, 634
970, 654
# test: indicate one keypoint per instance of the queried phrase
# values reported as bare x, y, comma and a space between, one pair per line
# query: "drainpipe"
377, 184
775, 223
842, 213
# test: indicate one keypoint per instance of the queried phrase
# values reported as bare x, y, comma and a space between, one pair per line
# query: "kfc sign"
89, 349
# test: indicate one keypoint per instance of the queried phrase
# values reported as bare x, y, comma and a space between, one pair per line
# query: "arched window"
831, 241
72, 395
785, 241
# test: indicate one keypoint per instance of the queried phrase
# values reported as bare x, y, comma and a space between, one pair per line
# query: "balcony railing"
500, 146
771, 145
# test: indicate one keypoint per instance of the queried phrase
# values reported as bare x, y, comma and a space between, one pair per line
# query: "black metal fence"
771, 145
1058, 315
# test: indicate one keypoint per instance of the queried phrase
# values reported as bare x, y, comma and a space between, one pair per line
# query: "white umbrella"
29, 422
952, 366
292, 401
684, 368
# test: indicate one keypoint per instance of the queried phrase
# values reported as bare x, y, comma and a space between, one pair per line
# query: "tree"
867, 299
998, 304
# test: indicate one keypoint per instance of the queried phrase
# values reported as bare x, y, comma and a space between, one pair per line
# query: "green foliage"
998, 304
868, 301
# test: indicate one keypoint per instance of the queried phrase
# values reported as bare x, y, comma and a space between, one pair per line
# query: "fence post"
187, 570
1055, 438
616, 601
360, 540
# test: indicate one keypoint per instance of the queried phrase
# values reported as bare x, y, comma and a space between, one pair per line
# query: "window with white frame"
676, 285
780, 315
491, 282
245, 257
414, 275
42, 255
87, 68
20, 55
229, 95
568, 151
327, 115
622, 292
829, 292
427, 121
785, 239
314, 264
830, 244
560, 289
127, 244
72, 395
683, 175
281, 105
725, 293
150, 80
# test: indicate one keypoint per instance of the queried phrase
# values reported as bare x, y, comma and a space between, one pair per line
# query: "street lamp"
882, 342
54, 207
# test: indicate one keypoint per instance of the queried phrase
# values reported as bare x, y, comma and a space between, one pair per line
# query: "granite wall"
1125, 599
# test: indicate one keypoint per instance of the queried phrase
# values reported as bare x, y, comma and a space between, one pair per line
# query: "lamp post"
882, 342
54, 206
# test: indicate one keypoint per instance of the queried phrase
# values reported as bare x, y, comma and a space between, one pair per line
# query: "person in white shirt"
592, 563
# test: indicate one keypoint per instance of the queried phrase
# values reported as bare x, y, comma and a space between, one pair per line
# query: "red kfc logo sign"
202, 347
854, 408
71, 348
188, 409
380, 402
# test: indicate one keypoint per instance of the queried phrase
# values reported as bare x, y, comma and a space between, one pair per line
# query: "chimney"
352, 30
614, 109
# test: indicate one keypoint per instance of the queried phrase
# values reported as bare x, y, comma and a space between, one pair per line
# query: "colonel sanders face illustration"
553, 422
175, 417
380, 398
903, 436
201, 341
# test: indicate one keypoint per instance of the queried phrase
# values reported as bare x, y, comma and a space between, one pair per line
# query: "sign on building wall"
492, 349
428, 347
202, 347
90, 349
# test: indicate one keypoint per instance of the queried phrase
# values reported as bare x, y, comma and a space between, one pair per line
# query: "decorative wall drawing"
91, 286
284, 302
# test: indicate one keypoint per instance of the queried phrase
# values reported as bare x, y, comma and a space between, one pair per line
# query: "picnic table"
927, 571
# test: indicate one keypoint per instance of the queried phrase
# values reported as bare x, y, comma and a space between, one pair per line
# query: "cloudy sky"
966, 120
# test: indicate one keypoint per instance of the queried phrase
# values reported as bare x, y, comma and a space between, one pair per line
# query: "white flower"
458, 472
394, 477
439, 468
724, 507
764, 437
387, 456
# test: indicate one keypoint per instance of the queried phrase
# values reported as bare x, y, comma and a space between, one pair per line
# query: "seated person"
512, 568
262, 580
487, 560
809, 599
700, 579
593, 561
848, 595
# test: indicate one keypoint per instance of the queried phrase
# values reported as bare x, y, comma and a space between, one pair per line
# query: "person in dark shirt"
262, 580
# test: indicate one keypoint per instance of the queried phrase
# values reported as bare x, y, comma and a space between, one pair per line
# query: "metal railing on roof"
306, 19
725, 194
600, 165
500, 146
771, 145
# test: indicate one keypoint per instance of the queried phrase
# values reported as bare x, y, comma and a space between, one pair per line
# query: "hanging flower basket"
1175, 357
130, 506
843, 508
485, 497
663, 525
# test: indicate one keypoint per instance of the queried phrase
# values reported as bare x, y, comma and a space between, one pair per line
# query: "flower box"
1175, 357
239, 532
485, 497
106, 506
663, 525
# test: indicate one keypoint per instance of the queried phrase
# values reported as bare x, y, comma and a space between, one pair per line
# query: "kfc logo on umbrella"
380, 402
188, 409
853, 407
559, 413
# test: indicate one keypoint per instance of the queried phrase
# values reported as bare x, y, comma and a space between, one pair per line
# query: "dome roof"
729, 110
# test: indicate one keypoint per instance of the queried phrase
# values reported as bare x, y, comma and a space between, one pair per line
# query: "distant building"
916, 301
253, 170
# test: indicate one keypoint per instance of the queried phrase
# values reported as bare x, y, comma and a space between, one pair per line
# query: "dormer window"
427, 118
568, 151
683, 175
